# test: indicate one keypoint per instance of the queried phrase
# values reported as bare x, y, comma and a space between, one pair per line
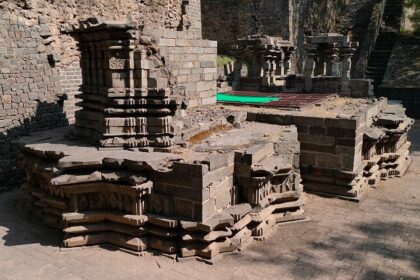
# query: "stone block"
303, 128
318, 130
196, 70
218, 160
223, 197
209, 101
183, 43
258, 152
328, 161
279, 119
208, 58
210, 50
6, 99
194, 78
206, 94
210, 70
306, 120
330, 149
5, 123
207, 209
341, 123
319, 139
167, 42
208, 64
177, 189
185, 72
170, 34
206, 85
213, 177
345, 151
222, 186
346, 141
184, 208
192, 169
192, 103
209, 77
182, 78
188, 65
341, 132
287, 147
190, 87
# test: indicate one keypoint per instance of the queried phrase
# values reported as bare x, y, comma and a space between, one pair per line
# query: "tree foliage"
415, 17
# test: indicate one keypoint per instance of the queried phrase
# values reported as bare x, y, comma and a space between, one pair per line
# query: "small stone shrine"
127, 98
328, 63
268, 61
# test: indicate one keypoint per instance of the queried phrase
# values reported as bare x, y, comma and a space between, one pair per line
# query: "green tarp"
221, 97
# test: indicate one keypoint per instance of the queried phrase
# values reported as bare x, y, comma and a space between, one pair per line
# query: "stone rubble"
385, 146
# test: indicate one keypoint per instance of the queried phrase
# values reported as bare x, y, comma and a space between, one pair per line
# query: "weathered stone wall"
193, 11
193, 64
360, 18
402, 77
70, 81
404, 66
29, 84
227, 20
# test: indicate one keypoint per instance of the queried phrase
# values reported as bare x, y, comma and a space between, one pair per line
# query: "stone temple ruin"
269, 60
154, 164
152, 178
328, 63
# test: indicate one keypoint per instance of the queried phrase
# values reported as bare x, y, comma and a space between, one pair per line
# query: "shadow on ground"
414, 136
47, 116
21, 226
365, 257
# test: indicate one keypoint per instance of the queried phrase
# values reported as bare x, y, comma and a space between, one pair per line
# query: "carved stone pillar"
320, 64
281, 60
120, 83
288, 52
345, 56
237, 72
309, 69
266, 77
329, 61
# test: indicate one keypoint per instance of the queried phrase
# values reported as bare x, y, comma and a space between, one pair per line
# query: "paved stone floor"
376, 239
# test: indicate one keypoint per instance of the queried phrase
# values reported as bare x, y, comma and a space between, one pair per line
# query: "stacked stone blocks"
193, 62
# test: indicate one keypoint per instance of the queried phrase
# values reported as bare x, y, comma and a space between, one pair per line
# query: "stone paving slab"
376, 239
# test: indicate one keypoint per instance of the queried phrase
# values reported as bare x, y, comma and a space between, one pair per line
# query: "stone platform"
214, 195
346, 144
